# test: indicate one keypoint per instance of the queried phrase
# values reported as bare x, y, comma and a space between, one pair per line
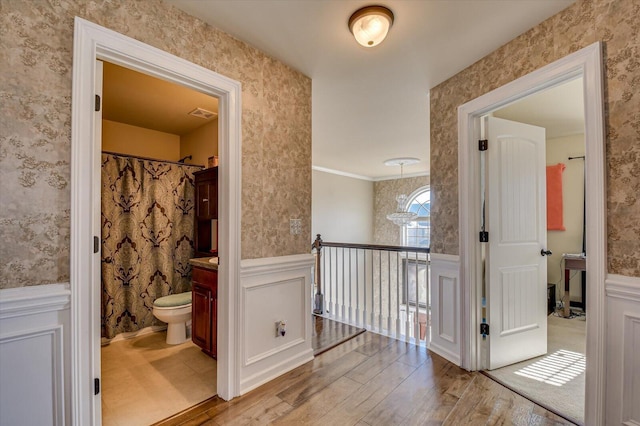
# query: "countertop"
203, 262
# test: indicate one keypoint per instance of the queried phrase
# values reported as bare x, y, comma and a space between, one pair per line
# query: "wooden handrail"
318, 244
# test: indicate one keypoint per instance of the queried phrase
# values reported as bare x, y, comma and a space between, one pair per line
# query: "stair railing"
382, 288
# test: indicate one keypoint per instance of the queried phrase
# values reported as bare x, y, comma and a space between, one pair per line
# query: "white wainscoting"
445, 307
35, 355
623, 351
274, 289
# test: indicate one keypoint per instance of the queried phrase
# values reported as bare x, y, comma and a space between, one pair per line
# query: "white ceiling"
560, 109
370, 105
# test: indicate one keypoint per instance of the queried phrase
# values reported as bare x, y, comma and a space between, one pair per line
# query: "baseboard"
274, 371
444, 353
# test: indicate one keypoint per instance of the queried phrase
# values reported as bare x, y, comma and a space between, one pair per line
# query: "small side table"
575, 263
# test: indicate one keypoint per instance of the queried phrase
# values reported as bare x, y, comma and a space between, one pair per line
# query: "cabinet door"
203, 199
201, 316
214, 320
213, 198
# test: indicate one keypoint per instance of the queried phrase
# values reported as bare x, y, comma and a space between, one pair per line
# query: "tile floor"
144, 380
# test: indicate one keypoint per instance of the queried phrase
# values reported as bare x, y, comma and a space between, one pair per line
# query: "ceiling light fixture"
401, 216
370, 25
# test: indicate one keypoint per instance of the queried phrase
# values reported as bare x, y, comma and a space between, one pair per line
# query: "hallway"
373, 380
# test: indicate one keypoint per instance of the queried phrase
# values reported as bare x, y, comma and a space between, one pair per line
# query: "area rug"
328, 333
556, 380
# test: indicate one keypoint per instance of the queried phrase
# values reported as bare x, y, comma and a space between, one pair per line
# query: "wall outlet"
281, 328
295, 226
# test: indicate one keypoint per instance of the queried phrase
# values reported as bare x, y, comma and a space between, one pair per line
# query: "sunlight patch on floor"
556, 369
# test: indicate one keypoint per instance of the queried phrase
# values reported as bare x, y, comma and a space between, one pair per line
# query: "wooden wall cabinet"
206, 182
204, 310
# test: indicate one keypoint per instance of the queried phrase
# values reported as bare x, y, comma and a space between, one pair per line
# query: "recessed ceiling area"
154, 103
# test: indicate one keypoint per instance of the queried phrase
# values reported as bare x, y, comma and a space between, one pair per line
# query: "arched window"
417, 233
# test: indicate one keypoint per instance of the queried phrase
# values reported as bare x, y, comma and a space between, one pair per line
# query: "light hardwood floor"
373, 380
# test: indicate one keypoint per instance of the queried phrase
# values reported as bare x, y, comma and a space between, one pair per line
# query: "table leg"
567, 299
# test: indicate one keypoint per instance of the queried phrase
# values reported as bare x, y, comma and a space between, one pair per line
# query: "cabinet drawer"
205, 276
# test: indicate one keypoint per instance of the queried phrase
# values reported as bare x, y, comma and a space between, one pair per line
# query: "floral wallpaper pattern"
35, 128
147, 238
616, 23
384, 200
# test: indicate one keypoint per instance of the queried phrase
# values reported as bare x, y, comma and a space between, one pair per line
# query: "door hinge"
484, 237
484, 329
96, 244
483, 144
96, 386
97, 103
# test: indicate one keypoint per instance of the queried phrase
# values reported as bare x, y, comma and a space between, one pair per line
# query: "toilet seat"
173, 301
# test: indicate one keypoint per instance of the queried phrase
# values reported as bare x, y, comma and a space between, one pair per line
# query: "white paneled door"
516, 259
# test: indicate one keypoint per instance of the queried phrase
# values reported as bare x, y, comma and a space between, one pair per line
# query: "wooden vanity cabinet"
206, 182
204, 310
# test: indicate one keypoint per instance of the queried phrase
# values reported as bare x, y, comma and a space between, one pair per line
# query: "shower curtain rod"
151, 159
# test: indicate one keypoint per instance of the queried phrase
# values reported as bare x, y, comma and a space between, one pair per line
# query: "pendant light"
402, 217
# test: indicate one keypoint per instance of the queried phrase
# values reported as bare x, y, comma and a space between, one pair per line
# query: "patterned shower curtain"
147, 238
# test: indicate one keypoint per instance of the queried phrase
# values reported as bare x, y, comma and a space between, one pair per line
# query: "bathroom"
159, 143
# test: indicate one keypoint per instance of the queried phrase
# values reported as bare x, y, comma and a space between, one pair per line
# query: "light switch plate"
295, 226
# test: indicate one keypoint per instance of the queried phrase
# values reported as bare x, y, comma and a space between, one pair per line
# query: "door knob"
544, 252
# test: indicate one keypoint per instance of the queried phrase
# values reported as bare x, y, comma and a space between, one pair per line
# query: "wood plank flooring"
373, 380
328, 334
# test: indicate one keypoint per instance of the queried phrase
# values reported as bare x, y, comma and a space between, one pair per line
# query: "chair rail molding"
34, 338
274, 289
623, 344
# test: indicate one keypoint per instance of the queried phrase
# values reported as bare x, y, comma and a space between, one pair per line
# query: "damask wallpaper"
35, 95
616, 23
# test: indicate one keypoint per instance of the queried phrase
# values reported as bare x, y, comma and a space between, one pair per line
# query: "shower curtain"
147, 238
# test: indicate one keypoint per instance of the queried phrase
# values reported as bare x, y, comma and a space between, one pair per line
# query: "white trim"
264, 376
587, 63
37, 312
17, 302
623, 287
445, 268
276, 281
404, 176
93, 42
55, 333
444, 353
341, 173
367, 178
266, 265
452, 259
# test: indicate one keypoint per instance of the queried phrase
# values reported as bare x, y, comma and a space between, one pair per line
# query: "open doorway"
158, 139
585, 63
556, 378
93, 42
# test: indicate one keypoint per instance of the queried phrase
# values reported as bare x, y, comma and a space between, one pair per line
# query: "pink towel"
554, 197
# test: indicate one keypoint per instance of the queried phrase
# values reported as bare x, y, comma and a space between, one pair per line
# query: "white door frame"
587, 63
93, 42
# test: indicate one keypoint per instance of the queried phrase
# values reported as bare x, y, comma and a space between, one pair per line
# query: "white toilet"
175, 310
